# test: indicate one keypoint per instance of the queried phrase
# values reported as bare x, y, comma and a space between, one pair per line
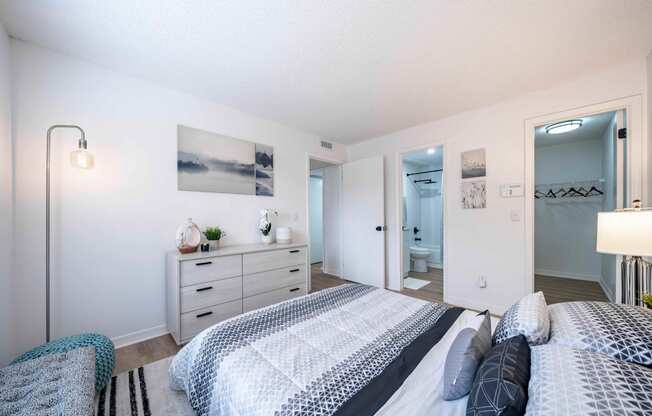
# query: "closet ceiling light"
563, 126
431, 151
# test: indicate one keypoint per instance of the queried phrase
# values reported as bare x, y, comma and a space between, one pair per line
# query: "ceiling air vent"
327, 145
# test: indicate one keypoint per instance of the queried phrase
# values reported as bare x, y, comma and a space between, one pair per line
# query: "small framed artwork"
474, 164
264, 170
474, 194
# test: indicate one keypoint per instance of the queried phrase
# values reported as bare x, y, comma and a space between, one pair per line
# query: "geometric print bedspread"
623, 332
313, 355
566, 381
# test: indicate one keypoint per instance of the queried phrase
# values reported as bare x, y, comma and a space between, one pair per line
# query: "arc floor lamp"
79, 158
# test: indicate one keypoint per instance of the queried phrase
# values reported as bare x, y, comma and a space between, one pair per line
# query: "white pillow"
528, 317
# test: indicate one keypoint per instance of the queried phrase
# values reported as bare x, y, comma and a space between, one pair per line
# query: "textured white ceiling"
346, 70
425, 159
593, 128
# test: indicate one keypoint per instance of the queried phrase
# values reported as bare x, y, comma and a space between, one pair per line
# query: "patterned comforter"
340, 351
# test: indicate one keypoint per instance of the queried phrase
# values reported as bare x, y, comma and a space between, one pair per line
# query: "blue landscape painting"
210, 162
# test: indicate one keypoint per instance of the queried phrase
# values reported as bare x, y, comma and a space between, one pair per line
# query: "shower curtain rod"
425, 171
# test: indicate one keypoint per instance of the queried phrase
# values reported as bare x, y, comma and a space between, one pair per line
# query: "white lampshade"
625, 232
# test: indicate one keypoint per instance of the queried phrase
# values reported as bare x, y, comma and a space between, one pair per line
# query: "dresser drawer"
270, 260
194, 322
210, 293
275, 296
209, 269
254, 284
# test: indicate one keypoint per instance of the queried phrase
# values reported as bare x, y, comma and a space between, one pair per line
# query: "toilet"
419, 255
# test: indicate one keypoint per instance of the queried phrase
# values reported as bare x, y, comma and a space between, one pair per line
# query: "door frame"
399, 205
333, 161
635, 172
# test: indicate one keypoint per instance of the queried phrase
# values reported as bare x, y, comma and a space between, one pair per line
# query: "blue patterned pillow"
501, 383
528, 317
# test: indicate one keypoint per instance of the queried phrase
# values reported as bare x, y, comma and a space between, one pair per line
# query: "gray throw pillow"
464, 358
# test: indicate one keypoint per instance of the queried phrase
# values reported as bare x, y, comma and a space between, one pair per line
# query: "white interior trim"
399, 207
564, 275
333, 161
637, 166
139, 336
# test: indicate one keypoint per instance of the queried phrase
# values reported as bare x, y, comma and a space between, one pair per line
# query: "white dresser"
206, 288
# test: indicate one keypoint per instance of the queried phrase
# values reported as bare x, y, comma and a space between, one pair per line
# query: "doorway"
422, 225
579, 170
346, 221
324, 191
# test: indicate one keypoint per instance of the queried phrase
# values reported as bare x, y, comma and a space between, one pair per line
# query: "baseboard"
139, 336
607, 291
335, 273
564, 275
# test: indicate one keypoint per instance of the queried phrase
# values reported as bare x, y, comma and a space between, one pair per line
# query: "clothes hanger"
594, 189
573, 192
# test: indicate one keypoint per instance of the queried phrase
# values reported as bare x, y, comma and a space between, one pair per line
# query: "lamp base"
636, 280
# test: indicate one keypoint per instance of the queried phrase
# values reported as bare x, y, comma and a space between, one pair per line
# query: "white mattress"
422, 391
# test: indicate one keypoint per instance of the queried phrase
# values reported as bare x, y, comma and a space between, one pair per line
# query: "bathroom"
422, 176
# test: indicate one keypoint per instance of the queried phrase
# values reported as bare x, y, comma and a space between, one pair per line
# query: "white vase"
267, 239
214, 244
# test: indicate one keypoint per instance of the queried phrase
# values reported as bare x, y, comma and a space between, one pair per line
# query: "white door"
363, 221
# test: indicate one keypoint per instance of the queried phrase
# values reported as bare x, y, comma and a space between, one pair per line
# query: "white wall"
316, 206
648, 125
6, 205
431, 219
412, 212
113, 224
332, 186
565, 233
486, 241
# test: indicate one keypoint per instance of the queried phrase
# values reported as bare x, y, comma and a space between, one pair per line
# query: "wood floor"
432, 292
320, 280
137, 355
557, 289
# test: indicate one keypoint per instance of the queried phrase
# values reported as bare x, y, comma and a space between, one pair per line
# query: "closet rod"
425, 181
425, 171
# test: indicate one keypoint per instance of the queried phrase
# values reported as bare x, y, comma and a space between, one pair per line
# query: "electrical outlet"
482, 282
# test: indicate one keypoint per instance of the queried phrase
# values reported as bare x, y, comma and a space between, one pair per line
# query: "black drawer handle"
204, 288
294, 290
201, 315
206, 263
294, 270
294, 251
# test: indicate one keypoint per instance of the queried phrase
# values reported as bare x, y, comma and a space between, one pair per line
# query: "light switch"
515, 215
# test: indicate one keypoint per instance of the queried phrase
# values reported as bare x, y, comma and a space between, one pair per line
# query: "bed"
349, 350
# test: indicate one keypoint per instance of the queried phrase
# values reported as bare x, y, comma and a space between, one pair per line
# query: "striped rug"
143, 391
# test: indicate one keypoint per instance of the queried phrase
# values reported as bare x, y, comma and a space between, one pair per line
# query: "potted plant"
213, 235
647, 300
